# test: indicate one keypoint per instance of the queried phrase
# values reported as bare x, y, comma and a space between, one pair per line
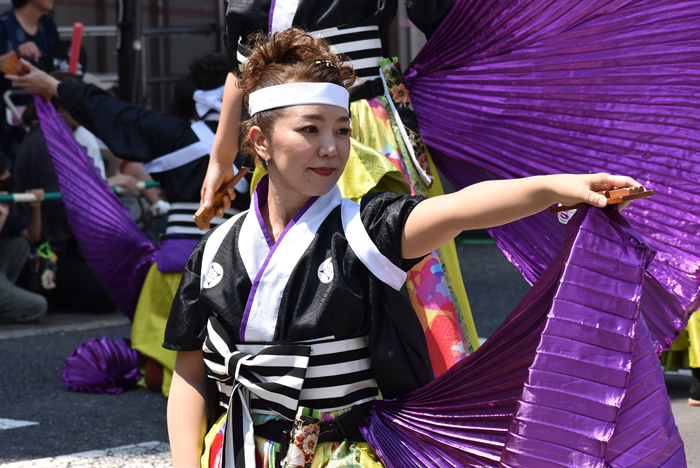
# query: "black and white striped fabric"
362, 45
181, 219
276, 379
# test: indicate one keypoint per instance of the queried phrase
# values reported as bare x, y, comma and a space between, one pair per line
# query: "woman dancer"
316, 272
382, 156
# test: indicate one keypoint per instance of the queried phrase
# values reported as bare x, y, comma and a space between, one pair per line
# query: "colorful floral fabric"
303, 439
344, 454
406, 118
435, 286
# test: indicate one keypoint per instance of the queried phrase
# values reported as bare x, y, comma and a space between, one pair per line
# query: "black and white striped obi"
276, 379
326, 374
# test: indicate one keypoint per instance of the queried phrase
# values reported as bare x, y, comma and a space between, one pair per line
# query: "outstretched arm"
437, 220
187, 415
220, 170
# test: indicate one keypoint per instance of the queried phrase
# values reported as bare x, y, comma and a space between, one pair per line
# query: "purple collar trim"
259, 199
260, 196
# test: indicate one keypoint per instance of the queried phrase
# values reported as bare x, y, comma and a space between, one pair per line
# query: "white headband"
296, 94
208, 100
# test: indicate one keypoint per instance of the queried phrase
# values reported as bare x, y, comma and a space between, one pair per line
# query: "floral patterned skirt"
344, 454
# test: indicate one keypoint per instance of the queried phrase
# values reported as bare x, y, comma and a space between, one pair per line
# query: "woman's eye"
344, 131
310, 129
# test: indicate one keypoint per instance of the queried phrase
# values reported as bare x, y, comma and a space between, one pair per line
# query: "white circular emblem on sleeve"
565, 216
325, 271
214, 276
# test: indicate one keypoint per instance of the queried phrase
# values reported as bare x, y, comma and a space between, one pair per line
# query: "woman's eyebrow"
314, 117
321, 118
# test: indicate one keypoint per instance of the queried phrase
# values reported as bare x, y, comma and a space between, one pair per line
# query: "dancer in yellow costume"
685, 354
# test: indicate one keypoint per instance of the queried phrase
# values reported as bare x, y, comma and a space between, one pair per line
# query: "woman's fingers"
618, 181
209, 189
605, 181
596, 199
225, 203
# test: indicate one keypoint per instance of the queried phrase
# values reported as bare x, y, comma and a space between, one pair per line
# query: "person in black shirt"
17, 305
29, 31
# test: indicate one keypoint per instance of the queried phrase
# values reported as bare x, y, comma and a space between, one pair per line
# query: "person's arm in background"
33, 231
134, 171
4, 213
220, 170
131, 132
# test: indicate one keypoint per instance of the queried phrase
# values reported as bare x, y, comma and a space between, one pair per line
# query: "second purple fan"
571, 379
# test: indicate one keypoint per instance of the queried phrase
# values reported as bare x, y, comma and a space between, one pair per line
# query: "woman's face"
308, 148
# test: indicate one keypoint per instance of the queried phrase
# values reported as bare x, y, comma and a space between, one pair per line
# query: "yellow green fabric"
150, 318
685, 351
209, 439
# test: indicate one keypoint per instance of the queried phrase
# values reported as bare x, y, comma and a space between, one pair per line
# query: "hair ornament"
327, 63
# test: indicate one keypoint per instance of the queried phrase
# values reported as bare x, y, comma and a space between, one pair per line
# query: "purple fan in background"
570, 379
516, 88
114, 246
102, 366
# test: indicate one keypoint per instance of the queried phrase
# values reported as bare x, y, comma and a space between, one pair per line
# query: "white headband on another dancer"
297, 94
208, 100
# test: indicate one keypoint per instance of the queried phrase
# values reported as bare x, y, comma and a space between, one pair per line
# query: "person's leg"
13, 256
77, 288
693, 330
148, 327
18, 305
694, 399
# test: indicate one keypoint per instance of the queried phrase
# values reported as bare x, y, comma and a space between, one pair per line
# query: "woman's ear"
259, 141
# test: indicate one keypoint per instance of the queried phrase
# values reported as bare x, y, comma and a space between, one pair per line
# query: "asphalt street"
68, 422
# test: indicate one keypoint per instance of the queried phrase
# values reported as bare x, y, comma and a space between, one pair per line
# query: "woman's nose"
328, 146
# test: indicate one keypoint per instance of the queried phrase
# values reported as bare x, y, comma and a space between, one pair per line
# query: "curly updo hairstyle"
289, 56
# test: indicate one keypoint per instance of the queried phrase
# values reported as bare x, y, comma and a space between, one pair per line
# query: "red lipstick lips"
323, 171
